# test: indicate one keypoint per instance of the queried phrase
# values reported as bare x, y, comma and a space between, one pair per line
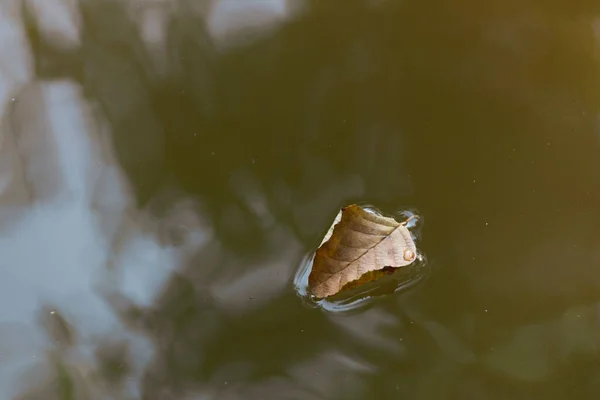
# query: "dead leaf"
359, 247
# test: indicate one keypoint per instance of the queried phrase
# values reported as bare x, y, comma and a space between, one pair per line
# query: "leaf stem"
408, 220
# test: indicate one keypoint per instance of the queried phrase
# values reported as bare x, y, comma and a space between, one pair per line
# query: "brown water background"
150, 250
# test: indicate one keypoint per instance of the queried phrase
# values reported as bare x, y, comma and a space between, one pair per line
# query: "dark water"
163, 197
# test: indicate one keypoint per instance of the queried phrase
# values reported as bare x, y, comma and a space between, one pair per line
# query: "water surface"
166, 166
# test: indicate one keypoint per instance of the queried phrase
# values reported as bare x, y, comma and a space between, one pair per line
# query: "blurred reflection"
58, 20
164, 166
232, 23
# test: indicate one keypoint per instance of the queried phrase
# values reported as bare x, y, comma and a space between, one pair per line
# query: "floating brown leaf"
359, 247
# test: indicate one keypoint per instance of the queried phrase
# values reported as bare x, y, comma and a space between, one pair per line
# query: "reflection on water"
165, 165
362, 296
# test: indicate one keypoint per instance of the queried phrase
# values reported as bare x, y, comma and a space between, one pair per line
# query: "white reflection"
153, 20
16, 61
76, 223
56, 249
232, 22
150, 250
58, 20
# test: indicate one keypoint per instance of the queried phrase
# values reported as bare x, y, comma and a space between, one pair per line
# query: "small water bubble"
52, 312
213, 153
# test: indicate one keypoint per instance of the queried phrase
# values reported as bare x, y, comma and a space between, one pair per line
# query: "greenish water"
480, 116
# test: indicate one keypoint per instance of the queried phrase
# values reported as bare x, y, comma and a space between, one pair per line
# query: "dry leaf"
359, 247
